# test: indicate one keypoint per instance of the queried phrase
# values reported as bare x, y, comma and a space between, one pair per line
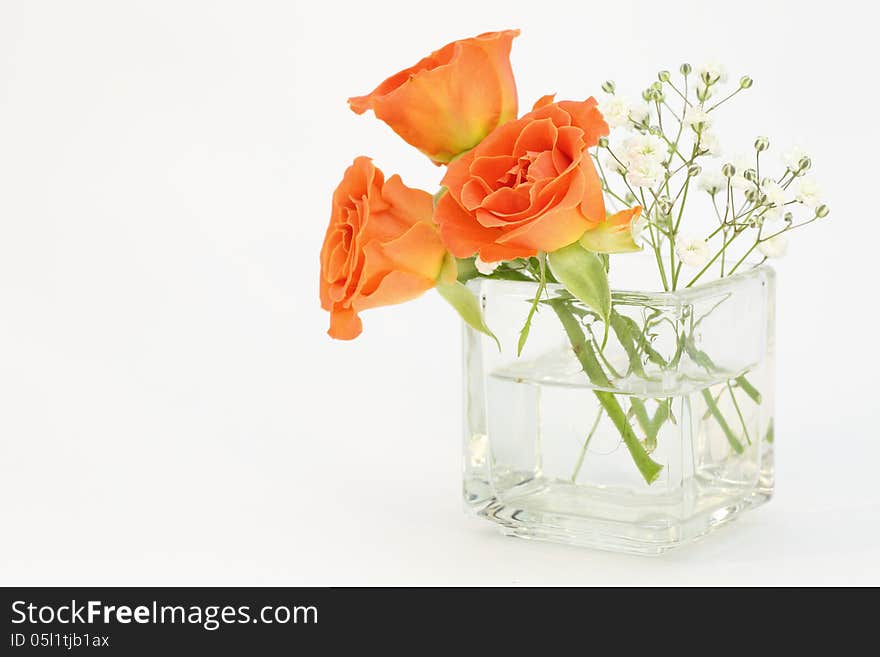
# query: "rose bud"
449, 101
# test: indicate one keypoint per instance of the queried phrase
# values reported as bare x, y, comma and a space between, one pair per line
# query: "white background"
171, 410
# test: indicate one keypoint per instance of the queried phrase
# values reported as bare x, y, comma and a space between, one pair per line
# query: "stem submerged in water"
735, 444
580, 461
648, 468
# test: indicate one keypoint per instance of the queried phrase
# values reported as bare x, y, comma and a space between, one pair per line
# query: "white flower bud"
712, 73
822, 211
663, 76
608, 86
793, 157
685, 69
745, 82
762, 144
728, 170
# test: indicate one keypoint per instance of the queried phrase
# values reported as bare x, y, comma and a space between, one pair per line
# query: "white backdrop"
171, 410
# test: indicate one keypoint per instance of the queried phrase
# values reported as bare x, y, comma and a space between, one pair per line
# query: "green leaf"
542, 284
466, 269
466, 305
583, 274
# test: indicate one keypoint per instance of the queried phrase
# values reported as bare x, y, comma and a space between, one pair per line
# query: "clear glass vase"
638, 437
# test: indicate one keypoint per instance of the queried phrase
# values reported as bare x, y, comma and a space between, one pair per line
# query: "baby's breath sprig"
663, 144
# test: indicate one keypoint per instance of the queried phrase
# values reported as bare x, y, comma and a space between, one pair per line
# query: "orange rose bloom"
450, 100
529, 186
381, 247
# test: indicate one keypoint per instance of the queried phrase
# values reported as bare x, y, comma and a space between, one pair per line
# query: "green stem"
708, 412
716, 413
637, 406
648, 468
712, 261
748, 388
600, 351
651, 427
748, 252
683, 95
723, 100
677, 270
742, 420
542, 285
580, 461
655, 244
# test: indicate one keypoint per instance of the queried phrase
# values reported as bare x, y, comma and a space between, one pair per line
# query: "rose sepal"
462, 299
582, 272
619, 233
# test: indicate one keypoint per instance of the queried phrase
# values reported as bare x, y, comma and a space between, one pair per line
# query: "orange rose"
381, 247
450, 100
529, 186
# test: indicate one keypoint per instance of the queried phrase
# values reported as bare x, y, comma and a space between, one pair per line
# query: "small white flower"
713, 70
644, 171
774, 247
793, 156
774, 193
648, 146
709, 144
695, 117
615, 110
485, 268
713, 182
640, 111
692, 251
809, 193
776, 197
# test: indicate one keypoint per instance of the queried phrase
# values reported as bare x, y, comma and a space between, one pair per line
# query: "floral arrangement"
549, 196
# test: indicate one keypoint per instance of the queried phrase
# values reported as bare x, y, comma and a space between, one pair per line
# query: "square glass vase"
639, 436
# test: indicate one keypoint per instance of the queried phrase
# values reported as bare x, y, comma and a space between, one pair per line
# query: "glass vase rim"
667, 297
